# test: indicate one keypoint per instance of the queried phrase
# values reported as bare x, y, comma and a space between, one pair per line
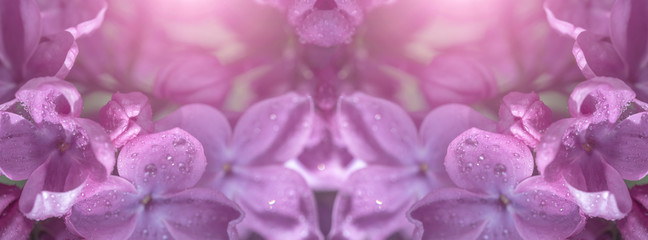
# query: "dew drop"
150, 170
182, 168
273, 116
499, 169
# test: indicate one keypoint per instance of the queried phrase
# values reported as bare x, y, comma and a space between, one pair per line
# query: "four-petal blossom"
46, 143
156, 196
404, 164
245, 164
496, 197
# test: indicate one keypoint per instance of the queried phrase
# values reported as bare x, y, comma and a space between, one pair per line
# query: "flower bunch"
323, 119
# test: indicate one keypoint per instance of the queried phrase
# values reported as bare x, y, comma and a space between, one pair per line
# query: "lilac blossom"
610, 37
245, 163
46, 143
326, 22
524, 116
578, 149
404, 164
126, 116
155, 195
38, 38
495, 195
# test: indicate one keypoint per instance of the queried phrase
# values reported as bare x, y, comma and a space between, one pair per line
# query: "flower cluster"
323, 119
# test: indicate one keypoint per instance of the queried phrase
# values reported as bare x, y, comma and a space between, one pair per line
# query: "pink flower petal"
373, 201
54, 56
376, 130
20, 143
163, 162
596, 56
524, 116
456, 79
453, 213
277, 202
126, 116
571, 17
106, 214
600, 98
52, 189
635, 225
14, 224
628, 155
629, 32
274, 130
325, 28
210, 127
21, 24
200, 214
543, 210
193, 79
553, 152
604, 196
79, 17
49, 99
488, 162
438, 130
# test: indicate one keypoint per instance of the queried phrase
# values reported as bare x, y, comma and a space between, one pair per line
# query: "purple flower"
594, 151
325, 22
38, 38
404, 164
126, 116
635, 225
45, 142
611, 37
495, 197
524, 117
155, 196
13, 225
209, 80
245, 163
452, 78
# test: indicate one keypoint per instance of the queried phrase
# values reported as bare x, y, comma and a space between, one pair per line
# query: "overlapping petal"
600, 99
454, 213
50, 99
487, 162
126, 116
277, 202
13, 225
163, 162
376, 130
211, 128
524, 116
635, 225
373, 201
274, 130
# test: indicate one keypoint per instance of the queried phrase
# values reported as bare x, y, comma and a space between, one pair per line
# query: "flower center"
424, 167
504, 200
63, 146
227, 167
146, 200
587, 147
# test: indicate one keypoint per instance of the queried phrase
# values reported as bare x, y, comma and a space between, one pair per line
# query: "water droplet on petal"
150, 170
182, 168
499, 169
